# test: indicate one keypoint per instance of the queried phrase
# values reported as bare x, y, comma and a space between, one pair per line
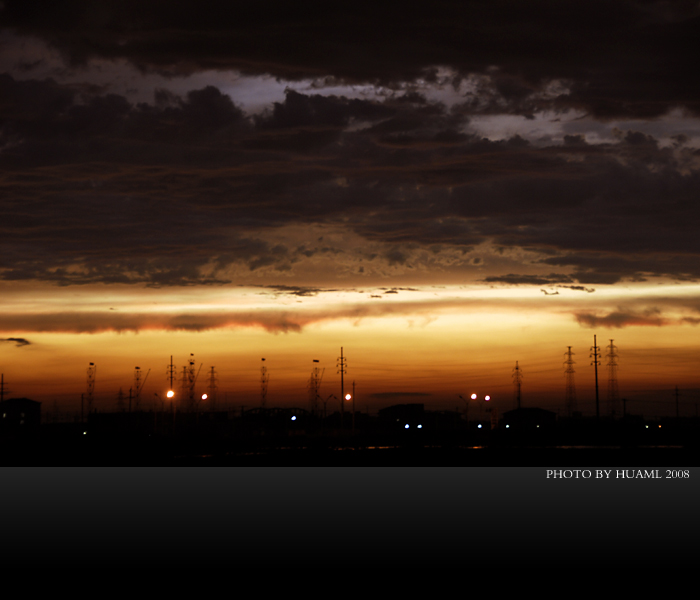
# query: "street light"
351, 397
473, 397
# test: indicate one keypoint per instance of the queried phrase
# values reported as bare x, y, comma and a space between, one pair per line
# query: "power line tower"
315, 387
137, 387
212, 388
2, 387
264, 378
517, 382
170, 374
190, 381
613, 392
595, 354
91, 371
342, 369
570, 386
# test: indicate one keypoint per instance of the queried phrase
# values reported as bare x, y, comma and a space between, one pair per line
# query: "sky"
441, 190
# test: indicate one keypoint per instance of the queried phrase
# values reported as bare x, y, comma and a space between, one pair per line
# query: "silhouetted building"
18, 415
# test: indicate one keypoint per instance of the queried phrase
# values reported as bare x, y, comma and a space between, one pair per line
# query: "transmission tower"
212, 388
2, 387
342, 369
170, 374
595, 354
570, 386
613, 392
91, 370
314, 387
137, 387
190, 381
264, 378
517, 382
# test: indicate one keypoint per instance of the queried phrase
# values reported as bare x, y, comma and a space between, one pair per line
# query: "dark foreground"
284, 452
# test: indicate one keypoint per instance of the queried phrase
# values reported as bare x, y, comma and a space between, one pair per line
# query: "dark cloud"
294, 290
97, 189
19, 342
528, 279
621, 57
625, 318
580, 288
272, 320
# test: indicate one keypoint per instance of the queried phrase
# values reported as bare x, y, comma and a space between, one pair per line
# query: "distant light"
405, 426
420, 427
479, 425
170, 394
84, 432
348, 397
294, 418
538, 426
487, 398
473, 396
507, 426
647, 426
659, 426
204, 396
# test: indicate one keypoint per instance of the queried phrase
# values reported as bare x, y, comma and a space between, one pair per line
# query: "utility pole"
595, 353
570, 387
342, 369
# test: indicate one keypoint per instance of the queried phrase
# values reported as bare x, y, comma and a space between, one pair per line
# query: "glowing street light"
170, 394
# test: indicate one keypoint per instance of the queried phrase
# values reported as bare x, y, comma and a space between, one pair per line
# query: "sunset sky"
441, 190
